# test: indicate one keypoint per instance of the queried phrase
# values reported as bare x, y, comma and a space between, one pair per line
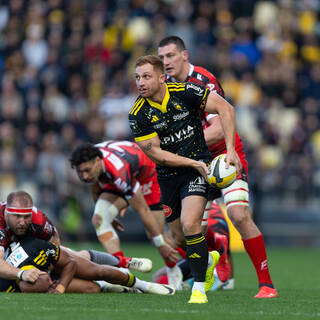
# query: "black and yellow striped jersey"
33, 253
176, 122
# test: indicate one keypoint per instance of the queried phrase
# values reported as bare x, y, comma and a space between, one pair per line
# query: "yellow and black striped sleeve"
138, 120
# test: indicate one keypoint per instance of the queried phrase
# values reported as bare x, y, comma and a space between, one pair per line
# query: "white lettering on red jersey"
125, 166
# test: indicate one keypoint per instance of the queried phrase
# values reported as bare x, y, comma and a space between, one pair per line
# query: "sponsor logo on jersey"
47, 227
197, 185
17, 256
134, 126
122, 185
198, 90
159, 125
179, 136
166, 210
180, 116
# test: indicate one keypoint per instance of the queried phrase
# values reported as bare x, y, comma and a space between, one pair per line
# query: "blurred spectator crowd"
66, 76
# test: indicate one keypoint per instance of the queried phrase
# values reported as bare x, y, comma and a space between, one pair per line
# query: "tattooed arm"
152, 149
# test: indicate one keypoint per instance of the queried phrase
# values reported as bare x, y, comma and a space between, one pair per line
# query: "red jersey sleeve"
118, 172
41, 226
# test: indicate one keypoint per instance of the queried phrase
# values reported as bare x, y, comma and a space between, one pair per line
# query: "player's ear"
162, 78
185, 55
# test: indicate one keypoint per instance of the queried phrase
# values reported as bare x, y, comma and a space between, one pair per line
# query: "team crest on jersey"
177, 106
166, 210
154, 118
199, 77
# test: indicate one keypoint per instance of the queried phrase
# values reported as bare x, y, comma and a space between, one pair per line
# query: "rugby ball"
218, 175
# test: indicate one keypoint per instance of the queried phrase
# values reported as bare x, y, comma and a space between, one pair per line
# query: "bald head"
19, 199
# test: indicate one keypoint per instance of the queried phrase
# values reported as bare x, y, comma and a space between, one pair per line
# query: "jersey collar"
163, 106
191, 69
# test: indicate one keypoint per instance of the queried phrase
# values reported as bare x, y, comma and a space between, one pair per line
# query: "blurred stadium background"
66, 77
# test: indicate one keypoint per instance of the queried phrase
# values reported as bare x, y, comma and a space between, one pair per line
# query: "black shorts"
9, 285
176, 188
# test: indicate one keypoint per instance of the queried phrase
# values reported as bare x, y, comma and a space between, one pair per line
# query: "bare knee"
239, 215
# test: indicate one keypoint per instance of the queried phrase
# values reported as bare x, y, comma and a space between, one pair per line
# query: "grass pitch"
295, 273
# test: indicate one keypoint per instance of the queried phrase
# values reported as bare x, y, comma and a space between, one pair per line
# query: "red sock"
163, 279
169, 264
182, 253
213, 242
257, 253
123, 261
118, 254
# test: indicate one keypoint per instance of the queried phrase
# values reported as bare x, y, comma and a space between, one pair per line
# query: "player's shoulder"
38, 217
137, 106
200, 71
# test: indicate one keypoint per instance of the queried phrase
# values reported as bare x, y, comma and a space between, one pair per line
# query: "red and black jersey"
125, 166
41, 227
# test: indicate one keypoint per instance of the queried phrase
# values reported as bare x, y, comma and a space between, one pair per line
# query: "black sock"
103, 258
197, 253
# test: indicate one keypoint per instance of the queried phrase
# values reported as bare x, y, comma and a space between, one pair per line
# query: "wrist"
19, 275
60, 288
158, 240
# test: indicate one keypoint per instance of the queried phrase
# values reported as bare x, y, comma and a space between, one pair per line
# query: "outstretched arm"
9, 272
139, 204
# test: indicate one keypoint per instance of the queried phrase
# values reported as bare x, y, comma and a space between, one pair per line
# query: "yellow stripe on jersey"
204, 99
163, 106
148, 136
177, 89
29, 267
176, 84
136, 105
195, 241
11, 289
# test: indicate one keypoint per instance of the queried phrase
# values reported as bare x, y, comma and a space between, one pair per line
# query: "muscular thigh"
117, 200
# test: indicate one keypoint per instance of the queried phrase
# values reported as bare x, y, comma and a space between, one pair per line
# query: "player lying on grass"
217, 238
43, 228
120, 174
70, 274
18, 222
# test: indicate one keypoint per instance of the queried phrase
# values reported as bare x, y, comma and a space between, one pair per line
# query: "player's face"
89, 171
148, 80
19, 223
173, 60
